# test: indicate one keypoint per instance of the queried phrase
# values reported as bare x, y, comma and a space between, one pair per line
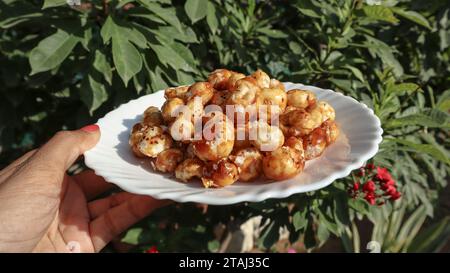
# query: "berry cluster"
374, 184
152, 249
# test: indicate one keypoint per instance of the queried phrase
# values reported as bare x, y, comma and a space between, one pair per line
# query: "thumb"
63, 149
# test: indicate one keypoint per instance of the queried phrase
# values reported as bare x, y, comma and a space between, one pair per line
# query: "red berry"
396, 195
383, 174
361, 172
356, 186
390, 190
390, 182
369, 186
370, 197
370, 166
152, 249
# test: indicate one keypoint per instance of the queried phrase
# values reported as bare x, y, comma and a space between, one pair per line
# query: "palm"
81, 225
69, 231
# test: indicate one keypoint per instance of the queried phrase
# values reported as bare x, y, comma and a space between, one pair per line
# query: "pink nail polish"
90, 128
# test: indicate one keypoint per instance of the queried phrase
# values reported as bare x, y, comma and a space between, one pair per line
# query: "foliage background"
63, 67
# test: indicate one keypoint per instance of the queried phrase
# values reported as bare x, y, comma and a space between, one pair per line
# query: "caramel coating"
219, 174
182, 129
271, 101
300, 122
219, 98
301, 98
228, 150
268, 138
153, 116
283, 163
272, 96
241, 138
332, 132
176, 92
262, 79
274, 83
136, 134
204, 90
167, 160
217, 141
219, 78
233, 79
188, 169
295, 143
244, 92
196, 109
153, 141
249, 163
314, 144
170, 108
327, 111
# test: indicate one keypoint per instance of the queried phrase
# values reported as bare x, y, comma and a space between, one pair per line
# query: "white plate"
112, 158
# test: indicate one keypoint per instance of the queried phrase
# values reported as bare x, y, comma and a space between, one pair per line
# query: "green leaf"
323, 233
52, 51
310, 238
270, 234
213, 245
116, 27
13, 21
135, 36
345, 85
380, 13
358, 205
143, 13
307, 8
411, 226
87, 38
327, 221
167, 14
423, 148
187, 35
386, 54
295, 47
358, 74
413, 16
127, 58
123, 3
433, 238
107, 29
169, 53
438, 120
272, 33
299, 219
13, 13
341, 211
93, 92
443, 103
101, 64
407, 87
211, 18
132, 236
184, 78
196, 9
53, 3
157, 81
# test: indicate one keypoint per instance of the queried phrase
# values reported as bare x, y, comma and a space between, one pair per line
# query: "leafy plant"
64, 66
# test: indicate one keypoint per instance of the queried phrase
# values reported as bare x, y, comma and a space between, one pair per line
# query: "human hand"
42, 209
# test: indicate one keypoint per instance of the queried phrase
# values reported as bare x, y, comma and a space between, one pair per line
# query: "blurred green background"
64, 66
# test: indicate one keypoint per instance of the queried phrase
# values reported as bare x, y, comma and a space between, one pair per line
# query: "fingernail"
90, 128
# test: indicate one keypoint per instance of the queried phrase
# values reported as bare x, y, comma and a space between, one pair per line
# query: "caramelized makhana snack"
271, 134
